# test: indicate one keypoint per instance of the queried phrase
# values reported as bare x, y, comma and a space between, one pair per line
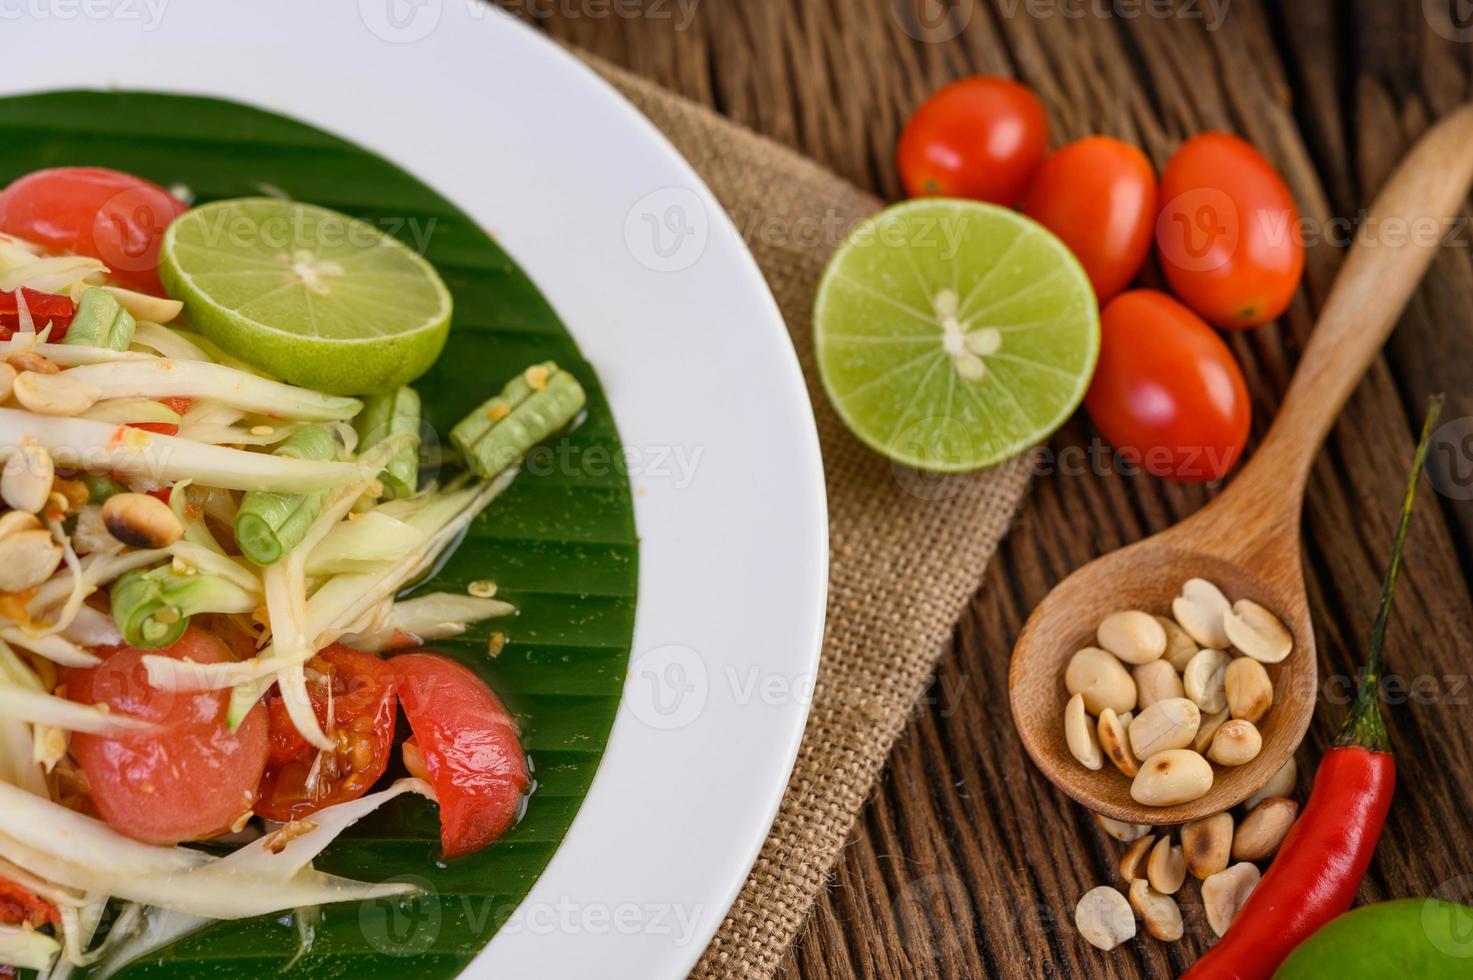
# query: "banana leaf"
560, 543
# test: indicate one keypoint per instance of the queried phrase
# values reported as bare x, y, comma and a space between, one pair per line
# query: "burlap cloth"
905, 552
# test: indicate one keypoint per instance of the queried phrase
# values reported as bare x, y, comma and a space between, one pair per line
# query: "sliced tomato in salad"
188, 778
107, 214
44, 308
468, 745
177, 405
19, 906
355, 704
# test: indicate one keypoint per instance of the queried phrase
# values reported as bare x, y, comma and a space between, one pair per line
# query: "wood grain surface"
967, 863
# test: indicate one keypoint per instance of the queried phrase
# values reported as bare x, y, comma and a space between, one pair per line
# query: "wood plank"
967, 863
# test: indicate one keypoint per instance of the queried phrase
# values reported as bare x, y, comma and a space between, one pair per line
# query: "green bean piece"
152, 606
100, 486
533, 405
268, 525
100, 321
394, 413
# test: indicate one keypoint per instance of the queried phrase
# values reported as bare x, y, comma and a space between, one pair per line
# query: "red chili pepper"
1321, 863
21, 906
43, 307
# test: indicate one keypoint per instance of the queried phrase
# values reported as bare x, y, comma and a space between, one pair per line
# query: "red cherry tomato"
44, 308
470, 748
188, 778
362, 726
981, 138
112, 216
1099, 196
21, 906
1228, 232
1167, 392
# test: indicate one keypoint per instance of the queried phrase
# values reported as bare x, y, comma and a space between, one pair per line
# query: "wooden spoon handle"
1404, 228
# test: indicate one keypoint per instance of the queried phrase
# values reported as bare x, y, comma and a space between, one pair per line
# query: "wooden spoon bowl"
1246, 540
1148, 575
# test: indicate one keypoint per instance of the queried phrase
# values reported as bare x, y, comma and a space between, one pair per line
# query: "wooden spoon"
1247, 538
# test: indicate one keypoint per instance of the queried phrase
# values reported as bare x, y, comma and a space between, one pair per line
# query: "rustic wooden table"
967, 863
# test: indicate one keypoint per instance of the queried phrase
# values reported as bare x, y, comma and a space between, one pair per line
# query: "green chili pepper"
395, 413
532, 406
152, 606
100, 321
268, 525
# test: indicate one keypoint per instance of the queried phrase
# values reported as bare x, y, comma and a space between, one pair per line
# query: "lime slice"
952, 335
312, 296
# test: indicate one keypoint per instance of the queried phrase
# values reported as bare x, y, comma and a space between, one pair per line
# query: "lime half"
312, 296
952, 335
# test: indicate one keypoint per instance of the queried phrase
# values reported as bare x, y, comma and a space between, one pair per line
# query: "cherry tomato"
188, 778
362, 726
1167, 392
470, 749
1228, 232
109, 215
21, 906
981, 138
180, 406
44, 308
1099, 196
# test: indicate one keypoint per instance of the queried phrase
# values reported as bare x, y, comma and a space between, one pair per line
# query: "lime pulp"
952, 335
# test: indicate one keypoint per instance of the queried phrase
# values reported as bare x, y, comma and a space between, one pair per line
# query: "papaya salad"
213, 505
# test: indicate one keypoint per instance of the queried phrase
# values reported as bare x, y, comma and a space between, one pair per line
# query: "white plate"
657, 287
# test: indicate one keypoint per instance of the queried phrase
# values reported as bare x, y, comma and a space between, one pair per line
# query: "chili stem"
1365, 726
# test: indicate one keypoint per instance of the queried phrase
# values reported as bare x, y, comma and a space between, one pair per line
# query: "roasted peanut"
1257, 632
1249, 691
27, 558
1103, 680
74, 491
1167, 868
1159, 912
7, 380
25, 482
1204, 678
1180, 647
52, 394
1199, 609
1155, 681
1237, 742
140, 521
1173, 776
1133, 636
1133, 861
1079, 733
1264, 829
1113, 742
1104, 918
1208, 728
1120, 830
1206, 844
29, 360
1224, 893
1280, 783
1168, 724
17, 520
